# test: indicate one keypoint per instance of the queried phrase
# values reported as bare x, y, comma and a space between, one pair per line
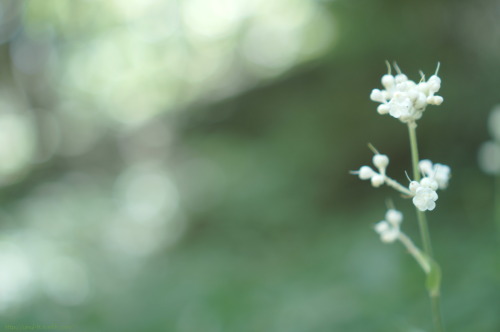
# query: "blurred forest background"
182, 165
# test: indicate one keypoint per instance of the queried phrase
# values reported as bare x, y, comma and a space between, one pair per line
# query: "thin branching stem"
424, 230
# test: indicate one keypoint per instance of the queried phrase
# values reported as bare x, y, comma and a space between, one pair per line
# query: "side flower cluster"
389, 229
404, 99
381, 161
436, 176
423, 193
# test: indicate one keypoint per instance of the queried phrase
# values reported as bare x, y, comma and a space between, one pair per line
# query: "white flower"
380, 161
405, 100
366, 173
442, 175
425, 198
377, 180
394, 217
429, 183
414, 185
389, 229
425, 166
438, 172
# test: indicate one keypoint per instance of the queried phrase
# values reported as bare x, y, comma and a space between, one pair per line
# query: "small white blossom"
382, 227
438, 172
380, 161
425, 166
442, 175
425, 198
366, 173
429, 183
404, 99
394, 217
377, 180
414, 185
389, 229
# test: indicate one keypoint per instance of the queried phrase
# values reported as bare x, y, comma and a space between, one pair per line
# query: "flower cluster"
423, 192
438, 172
489, 153
388, 229
367, 173
404, 99
436, 176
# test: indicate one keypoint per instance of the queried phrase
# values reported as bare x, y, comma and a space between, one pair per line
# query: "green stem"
422, 220
424, 230
436, 312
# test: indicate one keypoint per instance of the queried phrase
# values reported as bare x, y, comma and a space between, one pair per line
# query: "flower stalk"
434, 292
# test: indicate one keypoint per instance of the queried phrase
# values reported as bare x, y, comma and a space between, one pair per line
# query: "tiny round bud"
383, 109
434, 83
413, 94
377, 95
377, 180
425, 166
434, 79
390, 235
382, 227
380, 161
365, 173
414, 185
423, 87
421, 101
401, 78
394, 216
435, 100
388, 81
429, 183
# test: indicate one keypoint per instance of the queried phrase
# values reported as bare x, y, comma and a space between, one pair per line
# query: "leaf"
433, 281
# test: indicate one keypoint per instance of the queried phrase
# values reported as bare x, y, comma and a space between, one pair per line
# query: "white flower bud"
383, 109
421, 101
394, 217
377, 180
414, 185
434, 83
423, 87
365, 173
435, 100
400, 78
390, 235
377, 95
388, 81
380, 161
413, 94
442, 175
382, 227
429, 183
425, 166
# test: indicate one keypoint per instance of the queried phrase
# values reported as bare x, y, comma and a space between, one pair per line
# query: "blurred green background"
182, 165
